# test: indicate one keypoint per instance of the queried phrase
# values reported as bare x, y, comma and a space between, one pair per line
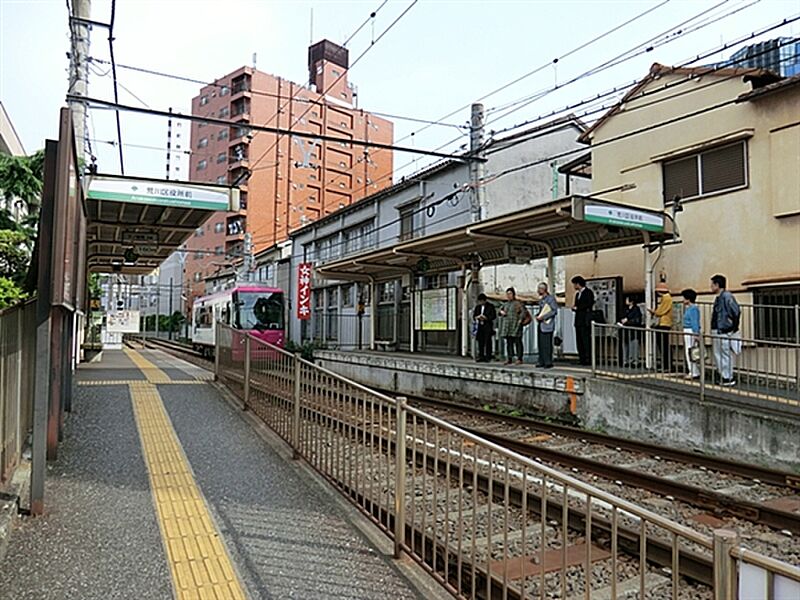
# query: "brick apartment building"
292, 181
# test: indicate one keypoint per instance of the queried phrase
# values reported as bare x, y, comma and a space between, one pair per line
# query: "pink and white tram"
252, 308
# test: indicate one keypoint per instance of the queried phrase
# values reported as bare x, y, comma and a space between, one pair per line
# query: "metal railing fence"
485, 521
765, 322
17, 373
741, 366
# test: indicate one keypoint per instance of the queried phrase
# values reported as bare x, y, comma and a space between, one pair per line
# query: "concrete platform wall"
749, 433
736, 431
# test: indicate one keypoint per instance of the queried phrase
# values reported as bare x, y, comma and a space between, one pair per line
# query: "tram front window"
260, 311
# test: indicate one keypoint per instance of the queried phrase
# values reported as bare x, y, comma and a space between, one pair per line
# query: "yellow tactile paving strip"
199, 564
152, 372
129, 381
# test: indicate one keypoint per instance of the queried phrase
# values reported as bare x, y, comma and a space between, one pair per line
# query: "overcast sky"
443, 54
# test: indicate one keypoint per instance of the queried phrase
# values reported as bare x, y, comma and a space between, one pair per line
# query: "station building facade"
425, 204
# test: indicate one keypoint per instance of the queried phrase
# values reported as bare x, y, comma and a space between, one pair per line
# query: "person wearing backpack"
515, 317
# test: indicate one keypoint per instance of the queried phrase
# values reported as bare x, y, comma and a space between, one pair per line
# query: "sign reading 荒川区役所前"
143, 191
623, 217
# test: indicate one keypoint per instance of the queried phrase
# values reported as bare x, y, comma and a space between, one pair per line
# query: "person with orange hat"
663, 314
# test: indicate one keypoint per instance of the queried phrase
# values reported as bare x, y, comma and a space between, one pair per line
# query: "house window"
774, 313
224, 90
363, 293
219, 251
715, 170
224, 112
223, 135
407, 221
199, 232
386, 291
203, 100
197, 276
201, 166
219, 227
221, 157
318, 301
332, 316
198, 254
202, 143
222, 179
347, 295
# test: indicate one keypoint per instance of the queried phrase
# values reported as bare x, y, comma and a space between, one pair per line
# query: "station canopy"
569, 225
134, 224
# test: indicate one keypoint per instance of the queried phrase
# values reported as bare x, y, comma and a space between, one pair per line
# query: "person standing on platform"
584, 305
631, 337
725, 327
484, 316
514, 315
546, 318
663, 314
691, 332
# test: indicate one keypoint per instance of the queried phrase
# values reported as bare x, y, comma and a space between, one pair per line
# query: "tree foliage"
21, 181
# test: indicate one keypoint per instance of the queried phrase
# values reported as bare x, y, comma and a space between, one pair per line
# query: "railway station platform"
162, 489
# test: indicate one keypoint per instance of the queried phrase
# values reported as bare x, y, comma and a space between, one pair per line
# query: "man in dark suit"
484, 316
584, 304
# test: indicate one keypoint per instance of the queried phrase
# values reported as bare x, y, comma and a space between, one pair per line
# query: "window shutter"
723, 168
680, 179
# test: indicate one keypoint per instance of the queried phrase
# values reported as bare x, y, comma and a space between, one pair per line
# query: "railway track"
750, 492
465, 508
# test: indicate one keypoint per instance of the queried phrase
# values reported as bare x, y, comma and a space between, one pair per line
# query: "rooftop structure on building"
779, 55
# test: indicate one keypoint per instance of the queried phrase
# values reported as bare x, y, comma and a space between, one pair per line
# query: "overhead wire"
490, 178
619, 59
628, 57
669, 85
263, 93
341, 76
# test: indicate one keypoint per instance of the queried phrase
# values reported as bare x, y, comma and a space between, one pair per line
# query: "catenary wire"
611, 63
670, 39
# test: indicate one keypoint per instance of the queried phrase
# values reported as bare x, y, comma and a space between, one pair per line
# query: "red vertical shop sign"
304, 291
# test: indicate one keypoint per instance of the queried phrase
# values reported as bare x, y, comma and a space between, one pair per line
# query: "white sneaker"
728, 382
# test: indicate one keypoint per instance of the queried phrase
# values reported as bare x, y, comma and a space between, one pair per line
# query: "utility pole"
79, 68
477, 169
170, 308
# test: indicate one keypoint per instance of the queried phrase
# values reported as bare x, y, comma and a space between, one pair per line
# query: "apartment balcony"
241, 87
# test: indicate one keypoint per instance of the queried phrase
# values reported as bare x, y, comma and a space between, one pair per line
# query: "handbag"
694, 354
526, 318
474, 331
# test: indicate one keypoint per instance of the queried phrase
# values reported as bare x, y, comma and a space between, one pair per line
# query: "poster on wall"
436, 310
304, 291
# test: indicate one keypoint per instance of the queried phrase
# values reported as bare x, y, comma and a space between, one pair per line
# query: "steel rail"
762, 474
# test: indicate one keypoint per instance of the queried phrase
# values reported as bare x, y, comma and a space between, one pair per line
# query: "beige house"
725, 144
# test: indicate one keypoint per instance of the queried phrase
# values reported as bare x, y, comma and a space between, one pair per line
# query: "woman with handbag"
515, 317
691, 333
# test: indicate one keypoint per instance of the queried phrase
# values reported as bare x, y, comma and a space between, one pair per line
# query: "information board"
122, 321
436, 310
